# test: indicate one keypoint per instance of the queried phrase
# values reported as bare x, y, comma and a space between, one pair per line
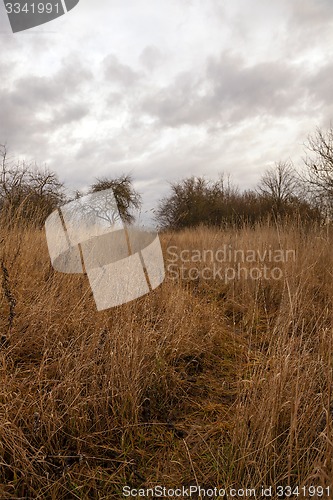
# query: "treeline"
283, 193
196, 200
29, 194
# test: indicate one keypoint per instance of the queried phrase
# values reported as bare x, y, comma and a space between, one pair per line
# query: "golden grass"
201, 381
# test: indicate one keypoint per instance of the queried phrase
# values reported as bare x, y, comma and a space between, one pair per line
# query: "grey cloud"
311, 13
115, 99
309, 27
59, 87
218, 97
116, 72
100, 154
19, 122
320, 88
151, 57
70, 114
321, 84
271, 87
35, 106
227, 89
177, 104
5, 72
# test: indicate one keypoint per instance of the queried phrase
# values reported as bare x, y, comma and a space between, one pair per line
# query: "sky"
165, 90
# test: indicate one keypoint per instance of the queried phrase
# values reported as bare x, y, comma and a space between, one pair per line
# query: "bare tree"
279, 184
126, 196
98, 208
27, 192
319, 167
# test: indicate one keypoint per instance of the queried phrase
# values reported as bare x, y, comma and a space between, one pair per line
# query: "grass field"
210, 382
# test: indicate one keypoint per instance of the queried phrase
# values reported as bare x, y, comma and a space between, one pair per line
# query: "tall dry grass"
200, 382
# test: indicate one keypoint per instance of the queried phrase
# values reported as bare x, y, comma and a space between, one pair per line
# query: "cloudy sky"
163, 90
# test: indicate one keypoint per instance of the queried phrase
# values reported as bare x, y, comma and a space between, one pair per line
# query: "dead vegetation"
201, 381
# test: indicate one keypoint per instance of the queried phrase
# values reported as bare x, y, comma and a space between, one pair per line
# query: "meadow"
205, 381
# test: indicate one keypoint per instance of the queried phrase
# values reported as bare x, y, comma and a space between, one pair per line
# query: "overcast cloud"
167, 90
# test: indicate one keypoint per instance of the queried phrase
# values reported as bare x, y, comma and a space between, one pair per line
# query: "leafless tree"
279, 184
319, 167
98, 208
27, 192
127, 198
